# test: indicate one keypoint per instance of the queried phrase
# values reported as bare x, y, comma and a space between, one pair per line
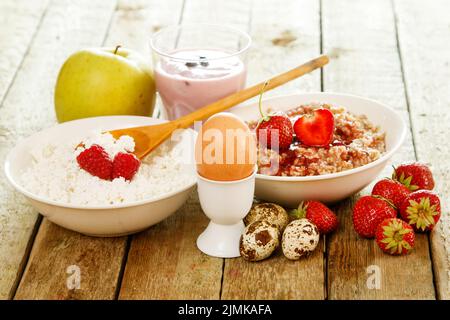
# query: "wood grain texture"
284, 36
276, 278
231, 13
424, 38
279, 44
164, 262
134, 21
20, 20
56, 250
365, 61
28, 107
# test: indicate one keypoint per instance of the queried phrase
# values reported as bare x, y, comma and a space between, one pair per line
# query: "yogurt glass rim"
170, 55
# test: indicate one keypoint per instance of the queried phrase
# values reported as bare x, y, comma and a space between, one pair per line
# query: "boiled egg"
225, 149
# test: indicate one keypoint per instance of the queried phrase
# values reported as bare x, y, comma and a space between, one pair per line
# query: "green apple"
104, 81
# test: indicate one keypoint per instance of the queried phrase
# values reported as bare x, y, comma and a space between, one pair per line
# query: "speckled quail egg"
300, 238
259, 240
270, 212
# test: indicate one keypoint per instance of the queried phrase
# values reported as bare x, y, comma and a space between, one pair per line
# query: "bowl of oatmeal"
46, 169
366, 135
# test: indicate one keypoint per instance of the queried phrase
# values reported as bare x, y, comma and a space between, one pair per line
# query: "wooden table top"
393, 51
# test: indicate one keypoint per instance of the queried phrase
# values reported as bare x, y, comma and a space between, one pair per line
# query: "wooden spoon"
148, 138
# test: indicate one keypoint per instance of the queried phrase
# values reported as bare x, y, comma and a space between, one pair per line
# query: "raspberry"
125, 165
96, 161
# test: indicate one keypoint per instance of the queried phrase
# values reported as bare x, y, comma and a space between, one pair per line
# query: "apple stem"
117, 48
263, 116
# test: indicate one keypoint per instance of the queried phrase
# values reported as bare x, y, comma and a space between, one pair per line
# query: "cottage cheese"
56, 175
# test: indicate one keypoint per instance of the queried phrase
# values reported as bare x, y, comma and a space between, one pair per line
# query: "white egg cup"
226, 203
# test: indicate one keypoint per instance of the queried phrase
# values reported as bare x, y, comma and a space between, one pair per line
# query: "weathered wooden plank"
365, 61
230, 13
135, 21
164, 262
284, 36
19, 20
424, 35
28, 107
276, 278
59, 256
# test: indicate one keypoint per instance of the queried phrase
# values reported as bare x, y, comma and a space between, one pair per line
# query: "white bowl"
329, 188
108, 220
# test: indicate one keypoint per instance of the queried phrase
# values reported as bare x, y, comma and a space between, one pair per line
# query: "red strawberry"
96, 161
414, 175
421, 209
125, 165
391, 190
395, 236
368, 212
273, 127
315, 129
274, 130
319, 214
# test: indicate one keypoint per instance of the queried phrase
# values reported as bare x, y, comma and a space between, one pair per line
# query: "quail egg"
259, 240
270, 212
300, 238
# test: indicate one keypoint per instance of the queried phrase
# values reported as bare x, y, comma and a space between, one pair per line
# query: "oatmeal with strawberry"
315, 139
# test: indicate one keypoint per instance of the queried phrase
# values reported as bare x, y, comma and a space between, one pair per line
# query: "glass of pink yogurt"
198, 64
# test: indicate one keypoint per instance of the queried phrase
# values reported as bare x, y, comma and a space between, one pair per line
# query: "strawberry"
273, 127
96, 161
421, 209
395, 236
316, 128
368, 212
319, 214
391, 190
274, 130
414, 175
125, 165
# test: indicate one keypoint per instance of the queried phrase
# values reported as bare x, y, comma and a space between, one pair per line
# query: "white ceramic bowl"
289, 191
109, 220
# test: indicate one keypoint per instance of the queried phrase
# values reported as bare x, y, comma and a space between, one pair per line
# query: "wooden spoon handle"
243, 95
